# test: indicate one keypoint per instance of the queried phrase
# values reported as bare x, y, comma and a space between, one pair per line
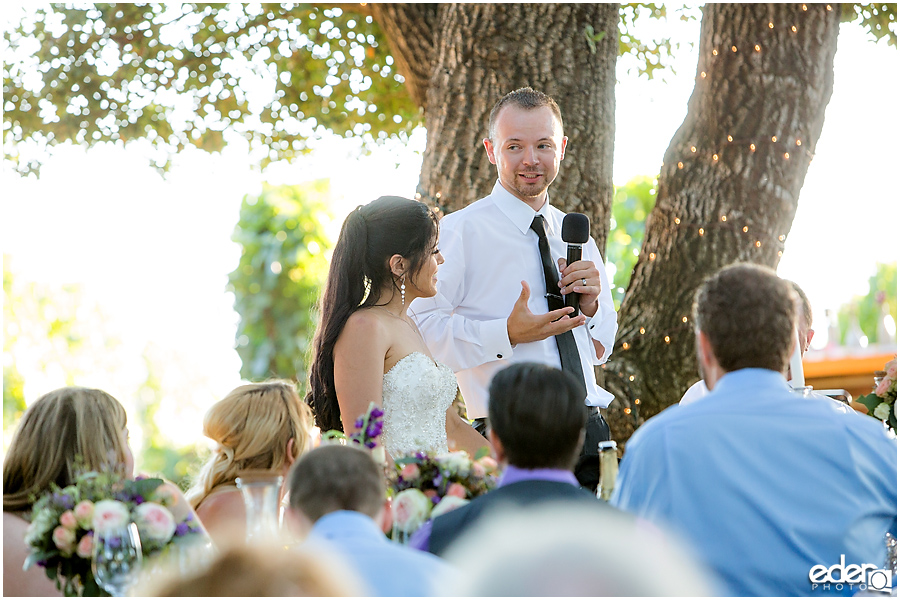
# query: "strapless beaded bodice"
415, 397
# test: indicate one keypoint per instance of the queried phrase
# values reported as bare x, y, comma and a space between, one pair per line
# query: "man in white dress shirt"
491, 308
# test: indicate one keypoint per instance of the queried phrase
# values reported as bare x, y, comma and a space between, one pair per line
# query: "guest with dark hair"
337, 494
764, 486
368, 350
536, 424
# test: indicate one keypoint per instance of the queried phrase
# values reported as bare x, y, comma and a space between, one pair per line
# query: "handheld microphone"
576, 229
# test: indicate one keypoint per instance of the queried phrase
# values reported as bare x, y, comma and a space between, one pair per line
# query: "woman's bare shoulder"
222, 514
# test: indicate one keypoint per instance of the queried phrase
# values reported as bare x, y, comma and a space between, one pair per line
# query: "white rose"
882, 411
110, 514
456, 462
154, 522
447, 504
411, 508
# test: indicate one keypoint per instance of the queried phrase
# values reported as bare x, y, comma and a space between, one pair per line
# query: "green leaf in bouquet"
870, 401
481, 453
36, 556
145, 487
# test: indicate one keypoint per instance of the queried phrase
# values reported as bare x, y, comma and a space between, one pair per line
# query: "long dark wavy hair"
358, 273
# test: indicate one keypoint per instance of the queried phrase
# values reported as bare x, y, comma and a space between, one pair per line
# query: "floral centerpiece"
63, 521
425, 487
882, 402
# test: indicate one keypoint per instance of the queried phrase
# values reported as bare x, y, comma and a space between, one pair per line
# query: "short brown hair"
526, 98
805, 305
334, 477
749, 315
538, 413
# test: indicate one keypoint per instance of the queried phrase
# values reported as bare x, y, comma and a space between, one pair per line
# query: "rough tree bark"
475, 53
728, 187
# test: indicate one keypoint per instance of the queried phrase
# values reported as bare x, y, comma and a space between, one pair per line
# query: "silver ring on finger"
583, 281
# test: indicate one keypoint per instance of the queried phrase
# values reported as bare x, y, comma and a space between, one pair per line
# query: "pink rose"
430, 494
64, 539
457, 489
167, 495
409, 471
447, 504
84, 513
68, 520
478, 470
489, 464
411, 507
154, 522
110, 514
85, 546
883, 386
891, 369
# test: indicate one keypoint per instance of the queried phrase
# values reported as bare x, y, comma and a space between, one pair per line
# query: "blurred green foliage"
276, 284
183, 74
879, 20
57, 332
188, 74
631, 206
870, 310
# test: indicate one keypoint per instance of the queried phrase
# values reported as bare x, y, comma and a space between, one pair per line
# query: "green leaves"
277, 280
631, 206
186, 74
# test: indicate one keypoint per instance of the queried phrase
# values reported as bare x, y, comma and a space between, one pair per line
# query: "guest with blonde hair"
259, 427
64, 424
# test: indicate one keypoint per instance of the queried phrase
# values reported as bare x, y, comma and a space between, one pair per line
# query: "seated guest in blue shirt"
765, 486
537, 418
337, 493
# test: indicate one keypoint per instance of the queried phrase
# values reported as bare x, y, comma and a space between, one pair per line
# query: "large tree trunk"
728, 187
479, 52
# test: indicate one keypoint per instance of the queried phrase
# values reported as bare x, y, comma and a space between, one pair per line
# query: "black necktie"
565, 342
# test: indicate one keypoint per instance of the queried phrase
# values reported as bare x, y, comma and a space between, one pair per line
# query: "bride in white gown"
367, 349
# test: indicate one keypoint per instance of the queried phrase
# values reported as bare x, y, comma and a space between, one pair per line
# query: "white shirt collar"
518, 212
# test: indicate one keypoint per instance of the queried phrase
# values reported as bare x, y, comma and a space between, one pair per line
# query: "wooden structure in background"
851, 370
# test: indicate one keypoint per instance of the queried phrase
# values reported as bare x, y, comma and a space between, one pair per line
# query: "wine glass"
116, 558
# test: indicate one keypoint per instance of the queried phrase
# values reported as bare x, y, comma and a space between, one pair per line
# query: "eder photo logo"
865, 577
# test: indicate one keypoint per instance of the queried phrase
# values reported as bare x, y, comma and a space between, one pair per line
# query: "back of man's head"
538, 414
525, 98
332, 478
749, 315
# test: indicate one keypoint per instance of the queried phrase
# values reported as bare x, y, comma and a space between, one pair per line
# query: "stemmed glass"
116, 558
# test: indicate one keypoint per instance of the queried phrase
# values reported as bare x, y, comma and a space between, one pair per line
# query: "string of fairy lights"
788, 147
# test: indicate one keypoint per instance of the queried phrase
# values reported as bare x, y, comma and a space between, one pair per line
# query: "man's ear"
499, 451
562, 148
489, 148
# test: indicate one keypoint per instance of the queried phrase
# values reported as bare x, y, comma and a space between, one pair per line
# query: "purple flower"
435, 499
370, 445
66, 500
182, 529
358, 423
139, 499
437, 480
42, 563
140, 478
377, 413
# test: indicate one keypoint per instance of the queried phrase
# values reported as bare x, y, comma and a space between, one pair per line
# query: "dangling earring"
403, 291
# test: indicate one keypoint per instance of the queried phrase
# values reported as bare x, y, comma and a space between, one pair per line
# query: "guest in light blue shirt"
765, 484
337, 494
